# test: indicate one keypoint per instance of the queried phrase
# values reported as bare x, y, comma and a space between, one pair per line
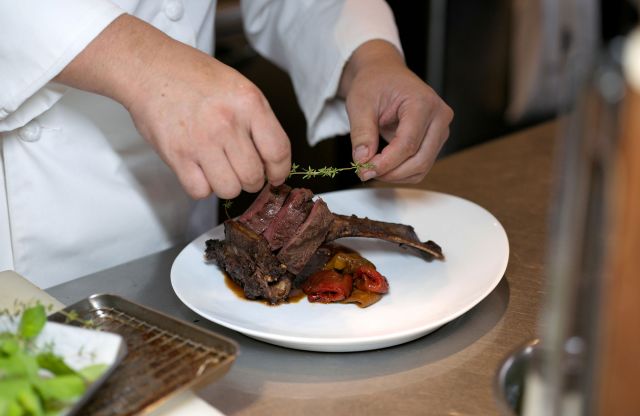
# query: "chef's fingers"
363, 119
221, 176
410, 133
272, 144
245, 162
419, 151
192, 179
414, 169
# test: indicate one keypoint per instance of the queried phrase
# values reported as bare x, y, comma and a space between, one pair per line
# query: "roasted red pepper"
369, 279
328, 286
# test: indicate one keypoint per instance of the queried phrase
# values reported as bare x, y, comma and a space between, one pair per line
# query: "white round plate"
423, 295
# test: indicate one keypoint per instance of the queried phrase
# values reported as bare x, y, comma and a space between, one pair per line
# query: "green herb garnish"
327, 172
36, 381
309, 173
73, 316
227, 204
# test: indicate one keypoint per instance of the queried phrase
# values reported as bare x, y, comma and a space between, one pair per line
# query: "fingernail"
370, 174
360, 153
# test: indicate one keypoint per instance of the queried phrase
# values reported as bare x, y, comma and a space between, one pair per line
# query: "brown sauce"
295, 296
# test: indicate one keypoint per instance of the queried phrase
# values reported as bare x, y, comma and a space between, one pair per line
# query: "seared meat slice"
265, 207
249, 262
297, 251
292, 214
352, 226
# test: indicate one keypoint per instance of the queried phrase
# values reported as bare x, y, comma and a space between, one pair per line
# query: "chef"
118, 128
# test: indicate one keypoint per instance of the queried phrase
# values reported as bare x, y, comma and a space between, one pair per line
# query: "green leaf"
30, 402
14, 409
92, 372
54, 363
18, 365
8, 346
32, 322
10, 388
61, 388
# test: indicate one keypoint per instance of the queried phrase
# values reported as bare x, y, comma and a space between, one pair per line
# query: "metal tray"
164, 355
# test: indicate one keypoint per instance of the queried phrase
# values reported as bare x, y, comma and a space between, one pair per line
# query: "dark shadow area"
277, 87
618, 18
474, 64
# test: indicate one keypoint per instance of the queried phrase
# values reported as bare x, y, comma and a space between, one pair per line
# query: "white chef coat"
80, 190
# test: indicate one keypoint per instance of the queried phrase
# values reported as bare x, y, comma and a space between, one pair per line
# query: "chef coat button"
173, 9
30, 132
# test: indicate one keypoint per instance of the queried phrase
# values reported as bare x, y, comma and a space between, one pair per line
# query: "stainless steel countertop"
448, 372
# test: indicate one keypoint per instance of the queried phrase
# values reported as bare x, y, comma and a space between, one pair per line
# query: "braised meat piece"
250, 263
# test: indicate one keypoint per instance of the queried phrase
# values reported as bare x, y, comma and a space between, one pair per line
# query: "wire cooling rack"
164, 355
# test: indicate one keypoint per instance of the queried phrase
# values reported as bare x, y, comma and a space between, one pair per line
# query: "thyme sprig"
309, 173
227, 205
327, 172
73, 316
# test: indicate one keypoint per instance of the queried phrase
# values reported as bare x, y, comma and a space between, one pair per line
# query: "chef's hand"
384, 98
210, 124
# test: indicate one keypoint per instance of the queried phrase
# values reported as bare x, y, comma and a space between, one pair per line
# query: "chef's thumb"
364, 133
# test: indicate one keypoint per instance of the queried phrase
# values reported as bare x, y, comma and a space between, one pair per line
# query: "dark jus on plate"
282, 243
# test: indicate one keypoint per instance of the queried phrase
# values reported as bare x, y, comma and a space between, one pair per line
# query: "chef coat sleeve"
312, 40
38, 38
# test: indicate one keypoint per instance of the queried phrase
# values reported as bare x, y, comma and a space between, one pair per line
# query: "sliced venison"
265, 207
292, 214
297, 251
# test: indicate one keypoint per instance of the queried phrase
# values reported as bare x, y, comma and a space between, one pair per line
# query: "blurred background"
495, 62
